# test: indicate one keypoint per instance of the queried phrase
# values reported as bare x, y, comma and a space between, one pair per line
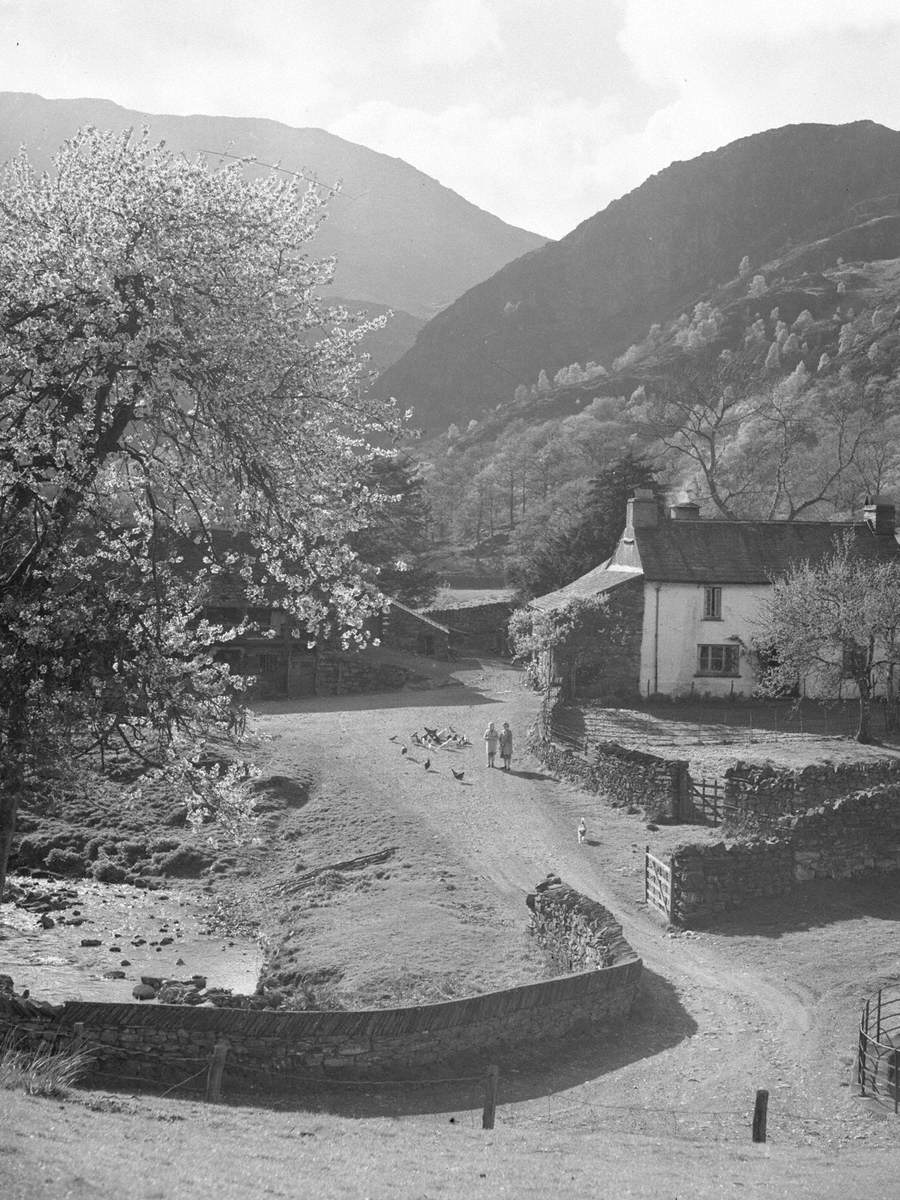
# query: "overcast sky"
541, 111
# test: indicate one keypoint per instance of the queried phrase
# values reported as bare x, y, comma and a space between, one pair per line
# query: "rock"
46, 922
115, 973
199, 982
143, 991
166, 941
91, 942
179, 962
115, 949
152, 981
125, 963
6, 985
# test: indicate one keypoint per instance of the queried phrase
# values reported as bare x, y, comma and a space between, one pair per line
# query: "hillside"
402, 240
804, 191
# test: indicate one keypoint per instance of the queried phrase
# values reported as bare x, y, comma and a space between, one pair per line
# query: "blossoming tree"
167, 366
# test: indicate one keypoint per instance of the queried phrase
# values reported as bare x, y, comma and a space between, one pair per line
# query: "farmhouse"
684, 595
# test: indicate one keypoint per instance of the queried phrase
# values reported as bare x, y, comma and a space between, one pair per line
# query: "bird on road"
427, 764
457, 774
393, 738
404, 750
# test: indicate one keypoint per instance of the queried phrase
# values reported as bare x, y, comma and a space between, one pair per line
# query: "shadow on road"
814, 905
456, 696
657, 1022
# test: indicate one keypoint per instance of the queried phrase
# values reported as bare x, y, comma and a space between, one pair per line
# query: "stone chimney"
642, 510
880, 514
685, 511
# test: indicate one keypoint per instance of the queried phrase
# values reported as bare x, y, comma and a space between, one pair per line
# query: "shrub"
106, 871
186, 861
41, 1072
66, 862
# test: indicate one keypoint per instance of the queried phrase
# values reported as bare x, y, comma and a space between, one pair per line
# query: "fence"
878, 1056
658, 883
480, 1093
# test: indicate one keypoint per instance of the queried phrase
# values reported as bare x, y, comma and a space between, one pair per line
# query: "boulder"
143, 991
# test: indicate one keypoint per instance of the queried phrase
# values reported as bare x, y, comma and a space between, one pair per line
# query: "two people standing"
501, 740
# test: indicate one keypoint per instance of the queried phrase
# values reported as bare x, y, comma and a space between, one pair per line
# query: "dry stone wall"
170, 1044
576, 932
853, 836
656, 785
768, 790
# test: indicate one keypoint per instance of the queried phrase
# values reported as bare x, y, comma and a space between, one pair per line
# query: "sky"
540, 111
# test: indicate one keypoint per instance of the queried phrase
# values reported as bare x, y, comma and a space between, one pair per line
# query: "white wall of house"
670, 658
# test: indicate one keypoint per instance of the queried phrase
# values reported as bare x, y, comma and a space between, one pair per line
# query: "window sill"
717, 674
711, 618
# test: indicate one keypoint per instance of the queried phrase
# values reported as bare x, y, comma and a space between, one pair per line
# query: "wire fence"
754, 1122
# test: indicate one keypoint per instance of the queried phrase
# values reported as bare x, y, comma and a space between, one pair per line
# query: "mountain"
401, 239
814, 190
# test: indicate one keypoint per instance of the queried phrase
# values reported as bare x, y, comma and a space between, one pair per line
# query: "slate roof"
716, 552
602, 579
419, 616
745, 551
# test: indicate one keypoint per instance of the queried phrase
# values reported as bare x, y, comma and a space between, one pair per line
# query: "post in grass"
491, 1078
214, 1075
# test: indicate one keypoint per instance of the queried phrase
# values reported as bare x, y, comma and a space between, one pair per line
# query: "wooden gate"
658, 883
707, 797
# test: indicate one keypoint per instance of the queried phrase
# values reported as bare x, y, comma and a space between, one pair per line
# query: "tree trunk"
864, 729
12, 778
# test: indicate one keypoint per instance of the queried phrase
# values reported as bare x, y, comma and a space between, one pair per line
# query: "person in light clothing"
491, 742
506, 745
582, 831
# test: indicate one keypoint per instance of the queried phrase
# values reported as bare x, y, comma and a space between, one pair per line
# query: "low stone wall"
346, 674
575, 932
771, 790
658, 786
708, 880
854, 836
168, 1044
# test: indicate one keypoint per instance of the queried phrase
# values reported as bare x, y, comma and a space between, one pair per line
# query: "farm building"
684, 597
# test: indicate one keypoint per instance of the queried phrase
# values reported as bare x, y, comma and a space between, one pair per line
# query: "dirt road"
767, 1001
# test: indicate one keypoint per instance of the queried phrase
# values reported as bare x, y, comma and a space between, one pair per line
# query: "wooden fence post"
760, 1110
214, 1075
646, 872
491, 1079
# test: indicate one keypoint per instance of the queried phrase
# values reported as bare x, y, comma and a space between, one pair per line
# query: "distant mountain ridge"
649, 256
401, 239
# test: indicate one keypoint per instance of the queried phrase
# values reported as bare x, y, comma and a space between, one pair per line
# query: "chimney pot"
686, 511
642, 510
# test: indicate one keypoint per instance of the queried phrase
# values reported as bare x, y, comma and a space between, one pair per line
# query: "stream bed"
164, 934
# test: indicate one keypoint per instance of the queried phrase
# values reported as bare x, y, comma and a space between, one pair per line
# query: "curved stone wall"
163, 1043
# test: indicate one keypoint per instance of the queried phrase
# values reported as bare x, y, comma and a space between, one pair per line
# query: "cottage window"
718, 660
269, 663
712, 604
